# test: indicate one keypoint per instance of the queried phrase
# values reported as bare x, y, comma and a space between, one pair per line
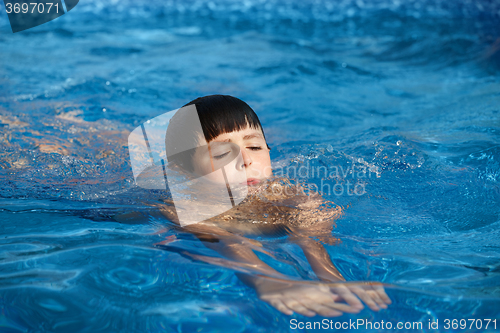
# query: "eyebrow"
246, 137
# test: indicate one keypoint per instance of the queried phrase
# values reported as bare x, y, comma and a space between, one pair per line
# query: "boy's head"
229, 126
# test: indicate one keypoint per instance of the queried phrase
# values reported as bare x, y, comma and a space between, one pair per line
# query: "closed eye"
255, 148
218, 157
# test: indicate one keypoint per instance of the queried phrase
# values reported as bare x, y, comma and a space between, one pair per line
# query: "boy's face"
254, 164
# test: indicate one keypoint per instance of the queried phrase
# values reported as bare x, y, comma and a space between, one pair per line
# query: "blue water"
409, 90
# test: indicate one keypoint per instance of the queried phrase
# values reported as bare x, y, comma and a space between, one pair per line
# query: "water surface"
408, 90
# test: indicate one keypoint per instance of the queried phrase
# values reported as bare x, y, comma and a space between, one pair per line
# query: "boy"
231, 127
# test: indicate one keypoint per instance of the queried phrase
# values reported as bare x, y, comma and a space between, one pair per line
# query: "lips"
252, 181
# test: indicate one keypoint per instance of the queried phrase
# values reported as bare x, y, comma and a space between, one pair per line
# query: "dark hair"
218, 114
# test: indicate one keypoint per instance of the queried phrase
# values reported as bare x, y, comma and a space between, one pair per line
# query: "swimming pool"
409, 90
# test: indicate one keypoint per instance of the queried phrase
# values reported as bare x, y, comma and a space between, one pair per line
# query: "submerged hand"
373, 294
307, 300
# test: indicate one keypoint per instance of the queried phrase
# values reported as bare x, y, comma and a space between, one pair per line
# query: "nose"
247, 160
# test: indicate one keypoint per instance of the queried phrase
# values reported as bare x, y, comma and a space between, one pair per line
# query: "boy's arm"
373, 295
275, 288
319, 259
319, 216
286, 297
